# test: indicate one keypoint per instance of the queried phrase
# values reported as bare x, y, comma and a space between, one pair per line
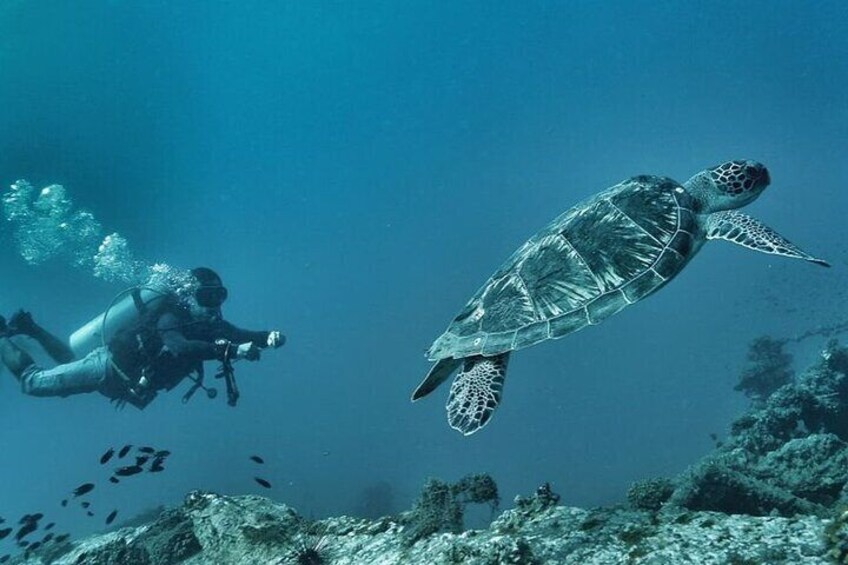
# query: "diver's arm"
238, 335
173, 339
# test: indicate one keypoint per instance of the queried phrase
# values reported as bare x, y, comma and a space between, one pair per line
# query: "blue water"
355, 170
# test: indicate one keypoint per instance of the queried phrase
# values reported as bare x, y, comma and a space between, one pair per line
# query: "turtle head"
730, 185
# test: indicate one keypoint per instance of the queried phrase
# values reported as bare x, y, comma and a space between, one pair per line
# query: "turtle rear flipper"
438, 374
476, 392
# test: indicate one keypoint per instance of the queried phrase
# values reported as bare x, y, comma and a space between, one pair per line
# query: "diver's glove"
247, 351
229, 351
276, 339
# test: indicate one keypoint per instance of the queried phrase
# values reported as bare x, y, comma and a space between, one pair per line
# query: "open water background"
355, 171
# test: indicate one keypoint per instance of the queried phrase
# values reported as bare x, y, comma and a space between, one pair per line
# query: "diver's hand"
276, 339
228, 350
247, 351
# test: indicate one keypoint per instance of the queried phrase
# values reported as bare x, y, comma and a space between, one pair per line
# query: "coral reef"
440, 506
650, 494
788, 455
836, 537
211, 528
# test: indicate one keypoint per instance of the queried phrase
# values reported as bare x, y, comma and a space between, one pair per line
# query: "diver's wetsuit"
184, 344
188, 343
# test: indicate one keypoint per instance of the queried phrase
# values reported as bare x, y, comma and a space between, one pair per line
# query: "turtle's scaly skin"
598, 257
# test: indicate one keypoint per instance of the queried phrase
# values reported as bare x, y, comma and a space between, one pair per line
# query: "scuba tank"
126, 309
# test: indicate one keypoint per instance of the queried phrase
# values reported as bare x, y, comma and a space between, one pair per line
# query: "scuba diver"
148, 340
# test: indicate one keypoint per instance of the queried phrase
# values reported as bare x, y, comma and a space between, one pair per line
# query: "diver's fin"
748, 232
14, 357
476, 392
438, 374
22, 323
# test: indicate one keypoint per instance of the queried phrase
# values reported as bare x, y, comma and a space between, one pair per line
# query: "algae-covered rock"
836, 537
788, 455
650, 494
211, 528
440, 506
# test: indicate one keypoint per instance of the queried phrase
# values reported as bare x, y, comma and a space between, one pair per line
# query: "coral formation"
440, 506
836, 537
788, 455
211, 528
769, 368
650, 494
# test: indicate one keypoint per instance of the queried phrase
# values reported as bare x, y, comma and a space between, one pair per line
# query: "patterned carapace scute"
598, 257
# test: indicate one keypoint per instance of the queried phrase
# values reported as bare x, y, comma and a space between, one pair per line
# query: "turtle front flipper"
476, 392
748, 232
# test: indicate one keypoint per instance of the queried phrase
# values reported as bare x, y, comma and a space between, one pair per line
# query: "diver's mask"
210, 296
210, 292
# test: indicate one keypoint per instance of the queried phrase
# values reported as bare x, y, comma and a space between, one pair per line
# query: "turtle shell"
593, 260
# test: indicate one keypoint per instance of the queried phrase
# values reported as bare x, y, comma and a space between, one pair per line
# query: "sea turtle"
600, 256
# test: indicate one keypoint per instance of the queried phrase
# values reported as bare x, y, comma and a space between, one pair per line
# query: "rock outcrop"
211, 528
788, 455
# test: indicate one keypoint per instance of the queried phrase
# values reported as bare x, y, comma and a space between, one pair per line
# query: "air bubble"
46, 225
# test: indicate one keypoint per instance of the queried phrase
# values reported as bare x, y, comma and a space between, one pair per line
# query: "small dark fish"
124, 450
49, 526
47, 538
262, 482
23, 543
5, 532
61, 538
147, 449
2, 520
107, 456
128, 471
85, 504
5, 558
25, 530
34, 545
157, 465
141, 460
111, 517
90, 513
114, 480
162, 454
257, 459
83, 489
27, 518
65, 502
